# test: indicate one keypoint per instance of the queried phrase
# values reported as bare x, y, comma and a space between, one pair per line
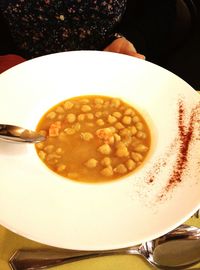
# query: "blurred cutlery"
178, 249
17, 134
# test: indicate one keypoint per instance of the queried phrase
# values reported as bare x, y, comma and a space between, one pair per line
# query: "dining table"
11, 241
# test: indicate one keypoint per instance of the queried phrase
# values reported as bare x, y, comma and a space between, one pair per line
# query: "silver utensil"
197, 214
12, 133
178, 249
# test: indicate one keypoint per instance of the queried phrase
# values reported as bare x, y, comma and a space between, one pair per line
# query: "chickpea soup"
93, 138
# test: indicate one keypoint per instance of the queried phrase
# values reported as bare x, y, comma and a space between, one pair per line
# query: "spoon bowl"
11, 133
178, 249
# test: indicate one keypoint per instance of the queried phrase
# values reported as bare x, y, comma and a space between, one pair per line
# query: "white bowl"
45, 207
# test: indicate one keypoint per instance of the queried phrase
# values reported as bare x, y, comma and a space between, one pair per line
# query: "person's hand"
122, 45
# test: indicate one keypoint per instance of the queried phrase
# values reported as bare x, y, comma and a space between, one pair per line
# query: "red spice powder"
160, 164
181, 145
185, 134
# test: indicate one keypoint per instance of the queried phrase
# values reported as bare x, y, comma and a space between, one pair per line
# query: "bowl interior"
137, 208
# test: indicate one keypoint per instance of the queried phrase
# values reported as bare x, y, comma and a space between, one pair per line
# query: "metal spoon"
12, 133
178, 249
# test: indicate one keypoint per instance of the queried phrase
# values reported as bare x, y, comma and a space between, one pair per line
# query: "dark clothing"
40, 27
159, 29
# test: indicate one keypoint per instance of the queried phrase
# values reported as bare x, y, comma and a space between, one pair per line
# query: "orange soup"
93, 138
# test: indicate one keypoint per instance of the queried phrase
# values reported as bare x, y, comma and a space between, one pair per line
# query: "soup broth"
93, 138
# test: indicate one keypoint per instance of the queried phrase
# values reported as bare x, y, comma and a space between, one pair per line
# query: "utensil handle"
5, 134
29, 259
3, 130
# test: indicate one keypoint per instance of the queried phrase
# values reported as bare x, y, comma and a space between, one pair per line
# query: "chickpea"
86, 136
86, 108
72, 175
117, 115
128, 111
115, 103
98, 106
91, 163
49, 149
106, 104
112, 129
130, 164
108, 171
98, 101
120, 144
59, 150
117, 137
119, 125
135, 141
43, 133
71, 118
141, 148
133, 130
111, 140
81, 117
68, 105
61, 168
90, 116
126, 120
100, 122
51, 115
136, 156
104, 133
53, 156
76, 126
139, 126
98, 114
135, 119
125, 132
52, 161
40, 145
106, 161
121, 169
122, 151
141, 135
104, 149
84, 101
60, 109
69, 131
127, 140
42, 155
111, 119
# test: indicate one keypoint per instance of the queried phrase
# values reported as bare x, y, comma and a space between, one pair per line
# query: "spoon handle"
3, 129
11, 133
4, 133
26, 259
